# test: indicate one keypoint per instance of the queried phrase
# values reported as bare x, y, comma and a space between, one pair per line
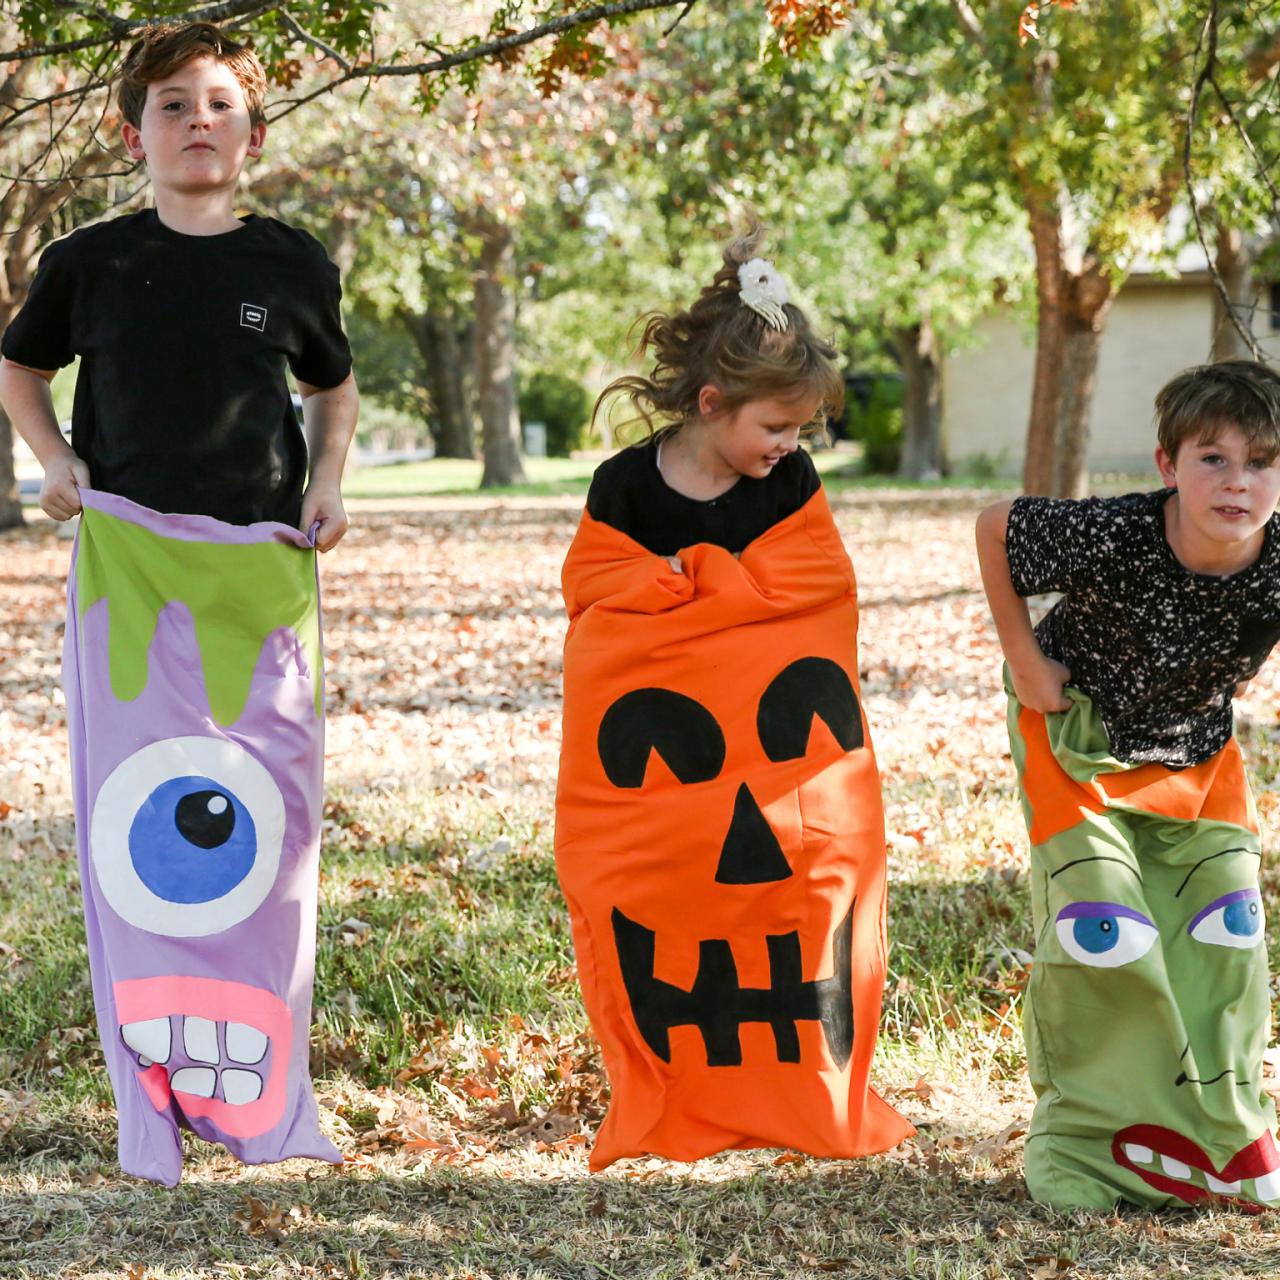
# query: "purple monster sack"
194, 678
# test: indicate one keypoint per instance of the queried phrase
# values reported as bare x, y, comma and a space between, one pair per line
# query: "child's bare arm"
25, 395
329, 415
1037, 679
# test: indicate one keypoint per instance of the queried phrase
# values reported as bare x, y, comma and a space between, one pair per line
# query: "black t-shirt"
181, 402
1158, 648
629, 493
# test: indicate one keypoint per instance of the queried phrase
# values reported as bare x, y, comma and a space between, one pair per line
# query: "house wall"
1156, 328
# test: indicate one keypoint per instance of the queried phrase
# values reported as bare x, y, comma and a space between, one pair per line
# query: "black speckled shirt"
1158, 648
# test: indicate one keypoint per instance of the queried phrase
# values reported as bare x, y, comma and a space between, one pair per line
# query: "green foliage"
390, 368
560, 402
358, 30
873, 417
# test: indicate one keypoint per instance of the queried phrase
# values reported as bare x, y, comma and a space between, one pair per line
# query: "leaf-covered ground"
449, 1046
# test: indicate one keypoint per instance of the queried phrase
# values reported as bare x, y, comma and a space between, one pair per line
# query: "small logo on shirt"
252, 317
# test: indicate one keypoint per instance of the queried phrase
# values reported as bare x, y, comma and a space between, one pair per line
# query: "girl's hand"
1039, 685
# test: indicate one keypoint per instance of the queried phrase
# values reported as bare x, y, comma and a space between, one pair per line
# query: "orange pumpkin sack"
720, 843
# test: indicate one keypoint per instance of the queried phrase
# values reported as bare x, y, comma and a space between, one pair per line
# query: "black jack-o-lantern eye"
682, 731
807, 688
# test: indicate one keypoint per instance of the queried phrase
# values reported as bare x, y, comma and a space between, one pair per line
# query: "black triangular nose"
751, 853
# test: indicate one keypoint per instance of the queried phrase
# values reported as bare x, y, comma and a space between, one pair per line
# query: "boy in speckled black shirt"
1147, 1011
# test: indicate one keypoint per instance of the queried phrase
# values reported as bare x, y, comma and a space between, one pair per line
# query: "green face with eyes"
1147, 1015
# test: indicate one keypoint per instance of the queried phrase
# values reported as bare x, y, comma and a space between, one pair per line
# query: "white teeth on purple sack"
245, 1043
197, 1081
240, 1087
200, 1036
151, 1039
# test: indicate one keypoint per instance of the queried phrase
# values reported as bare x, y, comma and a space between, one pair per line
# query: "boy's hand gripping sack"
720, 842
194, 704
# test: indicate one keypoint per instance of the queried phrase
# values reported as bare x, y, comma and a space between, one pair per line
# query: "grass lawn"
450, 1052
549, 477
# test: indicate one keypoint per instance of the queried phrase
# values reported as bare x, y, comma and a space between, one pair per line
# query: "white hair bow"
764, 291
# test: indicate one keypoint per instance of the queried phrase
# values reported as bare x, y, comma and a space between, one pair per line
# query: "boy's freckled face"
196, 132
1227, 488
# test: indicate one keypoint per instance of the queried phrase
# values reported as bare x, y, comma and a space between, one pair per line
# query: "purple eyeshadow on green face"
1233, 920
1104, 934
1101, 911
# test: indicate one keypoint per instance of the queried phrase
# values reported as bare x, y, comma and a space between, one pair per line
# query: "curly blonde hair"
720, 341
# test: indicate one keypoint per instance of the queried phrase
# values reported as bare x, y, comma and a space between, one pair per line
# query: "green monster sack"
1147, 1011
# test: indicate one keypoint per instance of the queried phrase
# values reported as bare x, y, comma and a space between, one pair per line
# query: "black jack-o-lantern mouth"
718, 1005
691, 744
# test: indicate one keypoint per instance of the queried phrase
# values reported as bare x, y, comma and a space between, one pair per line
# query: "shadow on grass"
941, 1212
736, 1215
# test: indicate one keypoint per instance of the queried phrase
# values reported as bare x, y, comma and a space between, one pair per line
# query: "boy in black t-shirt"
185, 317
197, 786
1146, 1014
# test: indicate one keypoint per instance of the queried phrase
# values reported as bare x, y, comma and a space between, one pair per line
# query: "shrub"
873, 416
563, 404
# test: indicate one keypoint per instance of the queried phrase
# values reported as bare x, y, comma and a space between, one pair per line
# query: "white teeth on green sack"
1178, 1169
1267, 1188
151, 1039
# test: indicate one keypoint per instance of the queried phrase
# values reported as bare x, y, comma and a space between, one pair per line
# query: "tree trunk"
1080, 376
436, 336
1234, 261
1074, 298
10, 506
495, 348
1046, 388
917, 351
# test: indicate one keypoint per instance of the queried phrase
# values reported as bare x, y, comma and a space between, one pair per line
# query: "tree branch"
680, 17
969, 23
307, 38
488, 48
1205, 76
120, 28
518, 39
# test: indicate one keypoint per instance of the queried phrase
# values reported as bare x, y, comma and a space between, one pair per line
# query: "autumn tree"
1084, 109
47, 159
1233, 132
60, 56
882, 231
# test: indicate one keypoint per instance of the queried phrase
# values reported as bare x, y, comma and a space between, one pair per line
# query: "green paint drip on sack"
237, 595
